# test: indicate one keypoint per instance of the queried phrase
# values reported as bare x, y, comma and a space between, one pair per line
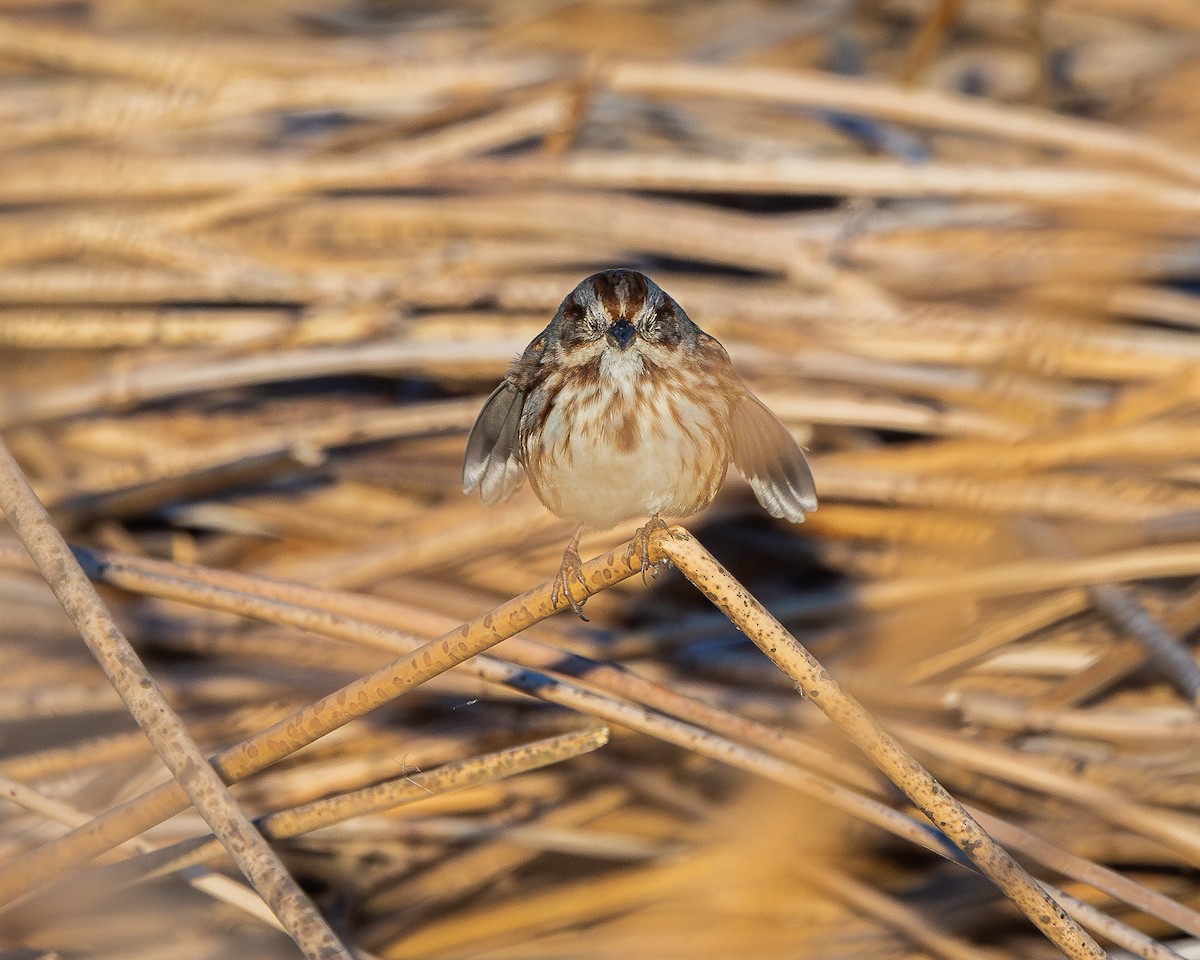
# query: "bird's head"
622, 314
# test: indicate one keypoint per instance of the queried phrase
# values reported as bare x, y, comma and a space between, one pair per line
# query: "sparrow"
623, 407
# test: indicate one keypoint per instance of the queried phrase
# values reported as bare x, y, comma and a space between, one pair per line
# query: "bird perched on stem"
622, 407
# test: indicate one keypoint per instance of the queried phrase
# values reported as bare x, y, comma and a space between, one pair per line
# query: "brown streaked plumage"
623, 407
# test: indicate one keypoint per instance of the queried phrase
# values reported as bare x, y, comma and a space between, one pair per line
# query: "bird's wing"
492, 461
771, 461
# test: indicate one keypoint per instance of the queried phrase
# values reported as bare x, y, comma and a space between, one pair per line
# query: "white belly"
599, 486
641, 452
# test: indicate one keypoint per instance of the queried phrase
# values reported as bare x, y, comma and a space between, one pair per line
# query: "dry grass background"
260, 262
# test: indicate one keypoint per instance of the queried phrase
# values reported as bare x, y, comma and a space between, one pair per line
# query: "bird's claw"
571, 568
641, 545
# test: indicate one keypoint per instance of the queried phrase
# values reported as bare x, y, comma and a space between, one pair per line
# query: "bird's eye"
579, 324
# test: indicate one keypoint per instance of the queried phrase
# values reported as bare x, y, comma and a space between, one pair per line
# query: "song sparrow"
623, 407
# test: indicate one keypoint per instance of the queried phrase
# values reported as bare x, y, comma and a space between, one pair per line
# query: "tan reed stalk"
248, 183
1049, 187
572, 902
1101, 675
304, 727
1032, 576
173, 378
47, 763
1038, 850
194, 778
1106, 497
924, 107
139, 575
114, 110
1034, 616
1112, 929
1133, 725
478, 867
215, 885
1086, 871
880, 747
884, 909
410, 788
45, 329
1176, 830
1162, 648
77, 50
301, 442
223, 590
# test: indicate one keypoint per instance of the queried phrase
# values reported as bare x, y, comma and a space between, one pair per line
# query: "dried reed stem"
214, 884
409, 788
880, 747
321, 611
357, 618
1176, 830
305, 726
1119, 933
270, 600
928, 108
909, 923
1049, 187
1109, 881
195, 779
174, 379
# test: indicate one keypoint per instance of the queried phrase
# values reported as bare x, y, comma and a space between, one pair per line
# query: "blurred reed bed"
260, 263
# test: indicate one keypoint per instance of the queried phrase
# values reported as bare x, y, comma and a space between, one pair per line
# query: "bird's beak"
621, 334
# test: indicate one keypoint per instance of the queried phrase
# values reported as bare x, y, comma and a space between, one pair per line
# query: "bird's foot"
571, 569
641, 545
